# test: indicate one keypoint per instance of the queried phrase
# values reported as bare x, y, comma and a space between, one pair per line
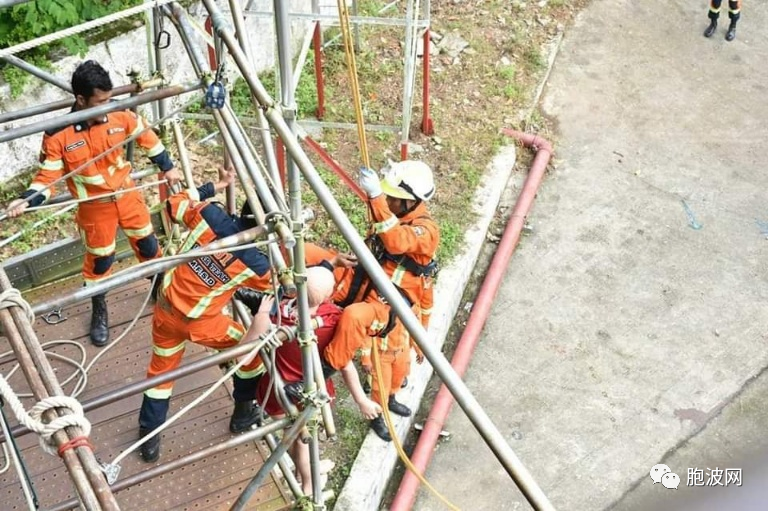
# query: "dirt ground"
628, 331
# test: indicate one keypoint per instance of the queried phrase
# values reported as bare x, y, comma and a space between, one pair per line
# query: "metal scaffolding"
282, 222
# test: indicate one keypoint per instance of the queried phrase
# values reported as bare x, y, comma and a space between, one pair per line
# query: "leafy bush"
30, 20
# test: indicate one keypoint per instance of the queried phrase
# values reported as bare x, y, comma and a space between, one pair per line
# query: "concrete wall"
128, 50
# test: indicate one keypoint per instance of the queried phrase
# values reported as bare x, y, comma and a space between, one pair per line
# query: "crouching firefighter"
404, 240
190, 305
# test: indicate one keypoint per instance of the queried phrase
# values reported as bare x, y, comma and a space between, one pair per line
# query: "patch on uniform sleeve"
111, 131
72, 147
419, 231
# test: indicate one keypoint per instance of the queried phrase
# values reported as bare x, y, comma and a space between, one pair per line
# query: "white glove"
369, 182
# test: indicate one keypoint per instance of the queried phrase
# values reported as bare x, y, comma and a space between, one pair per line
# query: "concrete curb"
376, 460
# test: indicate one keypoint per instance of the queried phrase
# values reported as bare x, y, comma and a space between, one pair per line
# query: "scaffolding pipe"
277, 454
80, 461
306, 337
90, 113
264, 132
285, 335
36, 71
487, 429
147, 269
68, 102
441, 407
201, 455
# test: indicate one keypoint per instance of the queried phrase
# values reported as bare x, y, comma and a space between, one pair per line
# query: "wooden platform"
213, 484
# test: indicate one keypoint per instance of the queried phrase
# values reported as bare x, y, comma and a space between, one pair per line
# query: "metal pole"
26, 486
186, 165
264, 132
36, 71
67, 103
139, 174
90, 113
80, 461
277, 454
491, 435
201, 455
306, 337
148, 268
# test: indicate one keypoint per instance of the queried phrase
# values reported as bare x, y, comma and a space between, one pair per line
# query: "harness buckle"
55, 317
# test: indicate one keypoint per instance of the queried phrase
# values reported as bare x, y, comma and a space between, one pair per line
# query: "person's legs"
98, 230
382, 384
714, 14
168, 343
222, 332
136, 223
734, 13
400, 367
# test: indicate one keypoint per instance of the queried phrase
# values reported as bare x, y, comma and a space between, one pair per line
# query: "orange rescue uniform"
65, 150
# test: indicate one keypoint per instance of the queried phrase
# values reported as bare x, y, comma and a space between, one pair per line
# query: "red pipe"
317, 42
334, 165
422, 453
404, 151
426, 121
211, 50
280, 157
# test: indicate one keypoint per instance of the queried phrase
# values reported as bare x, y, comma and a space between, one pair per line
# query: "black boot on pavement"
245, 415
99, 321
731, 34
398, 408
149, 450
380, 428
710, 31
250, 298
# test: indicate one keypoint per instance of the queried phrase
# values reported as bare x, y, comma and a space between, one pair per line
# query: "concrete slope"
636, 310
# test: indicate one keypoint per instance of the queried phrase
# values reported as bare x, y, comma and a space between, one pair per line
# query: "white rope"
61, 34
33, 419
113, 469
12, 298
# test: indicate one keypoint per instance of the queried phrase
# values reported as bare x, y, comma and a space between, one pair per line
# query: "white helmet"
409, 179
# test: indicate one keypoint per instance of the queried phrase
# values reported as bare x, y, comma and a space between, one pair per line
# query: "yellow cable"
352, 67
388, 419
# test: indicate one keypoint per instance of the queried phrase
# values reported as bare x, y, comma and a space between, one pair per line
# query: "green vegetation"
33, 19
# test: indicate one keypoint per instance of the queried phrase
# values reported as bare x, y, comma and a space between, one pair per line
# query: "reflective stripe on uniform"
234, 333
89, 180
158, 393
155, 150
139, 233
205, 301
386, 225
139, 126
119, 164
377, 326
98, 251
90, 282
167, 352
181, 210
52, 164
397, 275
247, 375
198, 231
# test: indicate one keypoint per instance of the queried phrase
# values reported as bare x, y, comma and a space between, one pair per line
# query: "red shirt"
288, 356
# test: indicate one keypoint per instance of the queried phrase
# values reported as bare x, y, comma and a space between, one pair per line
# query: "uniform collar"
418, 211
83, 125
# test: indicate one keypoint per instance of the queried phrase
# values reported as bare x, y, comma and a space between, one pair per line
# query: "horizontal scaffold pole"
90, 113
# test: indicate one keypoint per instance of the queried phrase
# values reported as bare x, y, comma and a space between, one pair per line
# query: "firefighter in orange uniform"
404, 241
190, 305
67, 148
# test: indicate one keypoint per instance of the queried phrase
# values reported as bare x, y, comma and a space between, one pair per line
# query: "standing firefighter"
66, 149
734, 13
404, 241
190, 305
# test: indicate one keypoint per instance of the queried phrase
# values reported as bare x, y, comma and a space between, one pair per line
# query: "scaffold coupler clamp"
55, 317
110, 470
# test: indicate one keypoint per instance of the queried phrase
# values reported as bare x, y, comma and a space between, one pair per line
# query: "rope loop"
12, 298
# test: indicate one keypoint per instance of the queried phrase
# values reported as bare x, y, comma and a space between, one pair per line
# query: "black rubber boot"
731, 34
404, 384
380, 428
245, 415
710, 31
398, 408
99, 321
250, 298
149, 450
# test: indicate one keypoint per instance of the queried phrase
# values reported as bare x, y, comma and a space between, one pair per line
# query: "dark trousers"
734, 9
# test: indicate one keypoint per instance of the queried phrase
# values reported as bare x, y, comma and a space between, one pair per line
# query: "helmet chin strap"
405, 210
